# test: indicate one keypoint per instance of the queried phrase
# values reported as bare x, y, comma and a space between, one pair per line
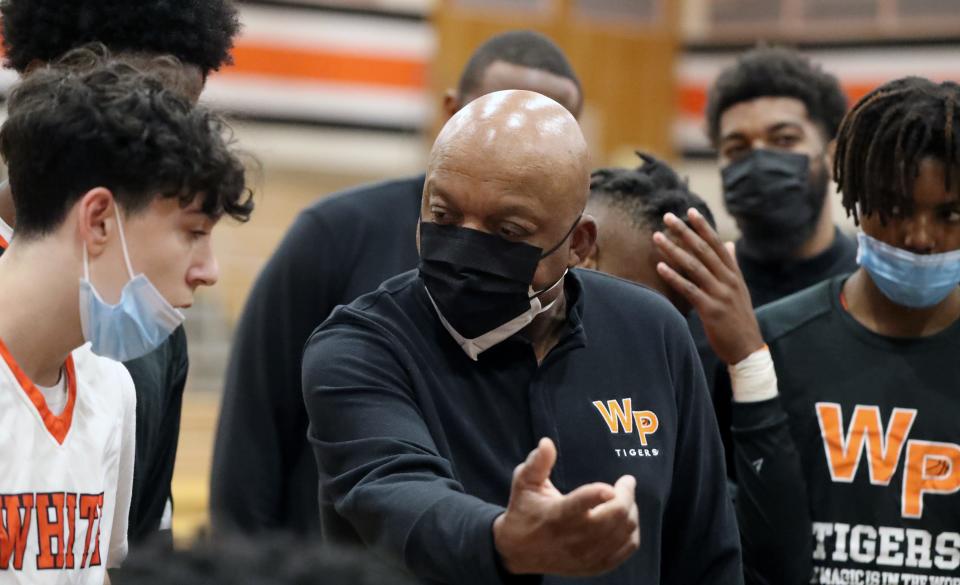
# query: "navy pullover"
416, 443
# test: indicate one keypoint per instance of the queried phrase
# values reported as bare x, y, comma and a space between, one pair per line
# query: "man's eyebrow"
517, 209
433, 189
735, 135
784, 125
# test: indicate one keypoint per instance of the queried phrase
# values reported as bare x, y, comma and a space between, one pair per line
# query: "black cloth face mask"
479, 282
775, 201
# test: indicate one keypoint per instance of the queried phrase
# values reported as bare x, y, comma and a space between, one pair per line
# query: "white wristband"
753, 379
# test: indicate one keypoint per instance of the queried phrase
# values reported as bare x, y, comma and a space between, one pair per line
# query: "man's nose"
475, 224
919, 235
204, 273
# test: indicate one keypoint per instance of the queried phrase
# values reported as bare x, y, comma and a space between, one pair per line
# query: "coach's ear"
592, 257
96, 219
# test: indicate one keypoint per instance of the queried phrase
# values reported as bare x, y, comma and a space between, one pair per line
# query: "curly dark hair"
647, 192
197, 32
886, 136
85, 122
777, 72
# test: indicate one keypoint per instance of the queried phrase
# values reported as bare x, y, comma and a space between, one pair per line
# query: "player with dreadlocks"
885, 140
855, 414
180, 42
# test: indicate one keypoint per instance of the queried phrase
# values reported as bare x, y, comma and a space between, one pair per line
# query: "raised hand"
705, 272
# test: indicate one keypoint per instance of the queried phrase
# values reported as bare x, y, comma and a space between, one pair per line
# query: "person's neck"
45, 326
822, 238
872, 309
7, 211
545, 330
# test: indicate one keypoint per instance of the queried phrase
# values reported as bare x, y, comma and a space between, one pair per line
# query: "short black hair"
86, 122
525, 48
647, 192
886, 136
266, 560
777, 72
197, 32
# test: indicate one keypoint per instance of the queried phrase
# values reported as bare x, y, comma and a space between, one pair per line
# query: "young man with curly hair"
180, 41
117, 184
772, 117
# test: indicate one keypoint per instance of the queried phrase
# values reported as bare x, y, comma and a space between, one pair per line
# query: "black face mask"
478, 281
775, 201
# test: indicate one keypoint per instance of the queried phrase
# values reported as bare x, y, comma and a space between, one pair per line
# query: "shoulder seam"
799, 320
800, 324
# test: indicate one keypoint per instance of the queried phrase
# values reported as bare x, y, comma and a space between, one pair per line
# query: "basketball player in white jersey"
117, 184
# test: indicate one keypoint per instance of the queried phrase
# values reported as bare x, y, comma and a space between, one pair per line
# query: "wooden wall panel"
626, 67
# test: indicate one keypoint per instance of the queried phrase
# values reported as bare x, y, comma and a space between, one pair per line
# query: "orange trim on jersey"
843, 302
58, 426
4, 244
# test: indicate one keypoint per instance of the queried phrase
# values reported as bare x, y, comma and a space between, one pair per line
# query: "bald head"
519, 137
512, 163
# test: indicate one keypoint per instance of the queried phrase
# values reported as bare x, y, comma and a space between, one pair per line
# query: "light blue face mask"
908, 279
135, 326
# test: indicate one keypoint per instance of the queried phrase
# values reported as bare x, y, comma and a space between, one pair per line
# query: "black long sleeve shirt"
416, 443
863, 441
264, 477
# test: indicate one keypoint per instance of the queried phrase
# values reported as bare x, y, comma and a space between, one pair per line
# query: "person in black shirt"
854, 419
264, 477
425, 394
628, 206
198, 35
866, 365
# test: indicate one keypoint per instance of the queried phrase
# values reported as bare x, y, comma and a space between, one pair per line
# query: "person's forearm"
437, 532
772, 502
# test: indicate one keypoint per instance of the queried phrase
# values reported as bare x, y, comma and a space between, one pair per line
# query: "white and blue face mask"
912, 280
136, 325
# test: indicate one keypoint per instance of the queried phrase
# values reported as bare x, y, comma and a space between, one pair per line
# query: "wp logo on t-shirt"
930, 467
619, 414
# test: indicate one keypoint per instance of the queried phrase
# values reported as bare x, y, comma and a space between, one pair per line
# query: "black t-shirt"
876, 423
158, 378
417, 443
264, 476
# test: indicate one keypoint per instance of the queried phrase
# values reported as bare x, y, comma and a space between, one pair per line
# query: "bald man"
495, 417
263, 476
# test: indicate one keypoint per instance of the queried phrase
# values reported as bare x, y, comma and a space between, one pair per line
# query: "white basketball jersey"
65, 480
